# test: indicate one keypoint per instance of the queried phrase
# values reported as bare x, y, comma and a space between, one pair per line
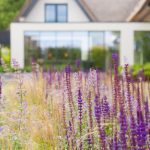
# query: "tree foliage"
8, 11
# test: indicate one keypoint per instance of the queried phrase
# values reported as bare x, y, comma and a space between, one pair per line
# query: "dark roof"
27, 7
84, 6
141, 12
31, 4
96, 10
5, 37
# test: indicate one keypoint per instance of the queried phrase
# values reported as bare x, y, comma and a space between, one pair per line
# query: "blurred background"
62, 47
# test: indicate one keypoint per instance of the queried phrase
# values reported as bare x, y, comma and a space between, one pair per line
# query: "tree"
8, 11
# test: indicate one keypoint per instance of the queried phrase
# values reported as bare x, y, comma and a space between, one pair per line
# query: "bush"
147, 70
98, 56
136, 69
1, 69
87, 64
5, 54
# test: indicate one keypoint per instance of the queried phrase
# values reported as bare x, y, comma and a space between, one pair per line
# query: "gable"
36, 11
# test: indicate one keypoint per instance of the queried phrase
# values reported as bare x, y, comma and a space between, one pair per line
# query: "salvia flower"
132, 120
70, 101
101, 131
115, 142
80, 107
0, 88
141, 131
105, 107
147, 113
90, 120
78, 63
97, 109
69, 93
1, 128
123, 130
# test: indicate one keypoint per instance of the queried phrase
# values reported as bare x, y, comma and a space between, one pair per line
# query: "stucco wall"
75, 13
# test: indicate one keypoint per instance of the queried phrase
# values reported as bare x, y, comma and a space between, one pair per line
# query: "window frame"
56, 13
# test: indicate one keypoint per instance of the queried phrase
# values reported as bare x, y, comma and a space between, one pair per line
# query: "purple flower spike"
1, 129
89, 140
70, 102
90, 137
132, 120
80, 105
78, 63
146, 112
115, 142
97, 109
68, 69
101, 132
79, 98
70, 126
105, 107
0, 87
123, 130
141, 131
115, 56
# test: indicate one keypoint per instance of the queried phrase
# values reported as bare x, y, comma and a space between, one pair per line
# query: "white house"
46, 28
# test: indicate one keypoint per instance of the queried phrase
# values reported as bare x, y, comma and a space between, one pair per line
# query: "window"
55, 13
142, 47
63, 47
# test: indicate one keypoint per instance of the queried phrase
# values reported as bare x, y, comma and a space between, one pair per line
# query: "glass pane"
62, 13
32, 47
96, 39
142, 47
48, 46
50, 13
80, 43
64, 39
102, 45
112, 44
97, 49
112, 40
64, 44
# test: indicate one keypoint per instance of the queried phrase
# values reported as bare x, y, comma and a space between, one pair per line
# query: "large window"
102, 45
56, 13
61, 47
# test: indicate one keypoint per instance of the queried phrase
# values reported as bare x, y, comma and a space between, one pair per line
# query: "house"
58, 30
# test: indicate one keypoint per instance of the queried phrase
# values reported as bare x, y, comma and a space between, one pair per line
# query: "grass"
33, 122
41, 111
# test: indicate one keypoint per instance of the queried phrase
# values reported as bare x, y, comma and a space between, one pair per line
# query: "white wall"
126, 29
75, 13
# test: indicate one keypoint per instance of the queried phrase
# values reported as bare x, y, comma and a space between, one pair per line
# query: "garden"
69, 109
68, 90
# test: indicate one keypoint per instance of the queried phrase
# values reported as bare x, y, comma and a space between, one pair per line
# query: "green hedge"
135, 69
98, 56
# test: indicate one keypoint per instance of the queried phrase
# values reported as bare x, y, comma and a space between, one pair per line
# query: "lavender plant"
75, 110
